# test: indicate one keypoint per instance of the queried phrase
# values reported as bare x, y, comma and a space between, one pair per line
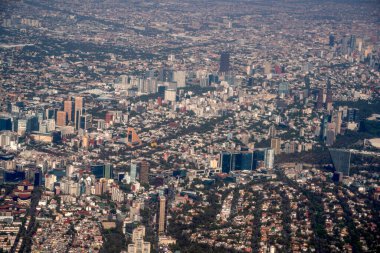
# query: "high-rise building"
329, 99
162, 216
269, 158
331, 40
307, 85
97, 170
275, 144
138, 244
341, 160
319, 104
224, 64
79, 103
5, 123
78, 111
353, 115
85, 121
132, 137
331, 134
353, 42
144, 172
171, 95
134, 172
272, 132
69, 171
231, 161
61, 118
68, 107
337, 120
108, 171
180, 78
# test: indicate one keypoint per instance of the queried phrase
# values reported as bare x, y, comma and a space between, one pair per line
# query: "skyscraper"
224, 64
231, 161
144, 172
331, 40
79, 106
180, 78
275, 144
329, 99
61, 118
307, 85
133, 172
68, 107
108, 171
162, 216
79, 103
341, 160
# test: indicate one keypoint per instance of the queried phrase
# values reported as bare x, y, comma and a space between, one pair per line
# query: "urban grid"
190, 126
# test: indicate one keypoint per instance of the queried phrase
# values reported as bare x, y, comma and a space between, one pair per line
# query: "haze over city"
189, 126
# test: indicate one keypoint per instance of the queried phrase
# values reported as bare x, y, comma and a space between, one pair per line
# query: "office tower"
134, 172
78, 111
331, 134
108, 171
353, 115
331, 40
162, 216
352, 42
307, 85
77, 119
272, 132
324, 125
61, 118
69, 171
50, 125
319, 104
79, 103
144, 172
275, 144
132, 137
50, 113
50, 179
344, 47
329, 99
37, 181
224, 64
231, 161
85, 121
269, 158
43, 127
22, 126
341, 160
5, 123
337, 120
260, 158
171, 95
97, 170
68, 107
180, 78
